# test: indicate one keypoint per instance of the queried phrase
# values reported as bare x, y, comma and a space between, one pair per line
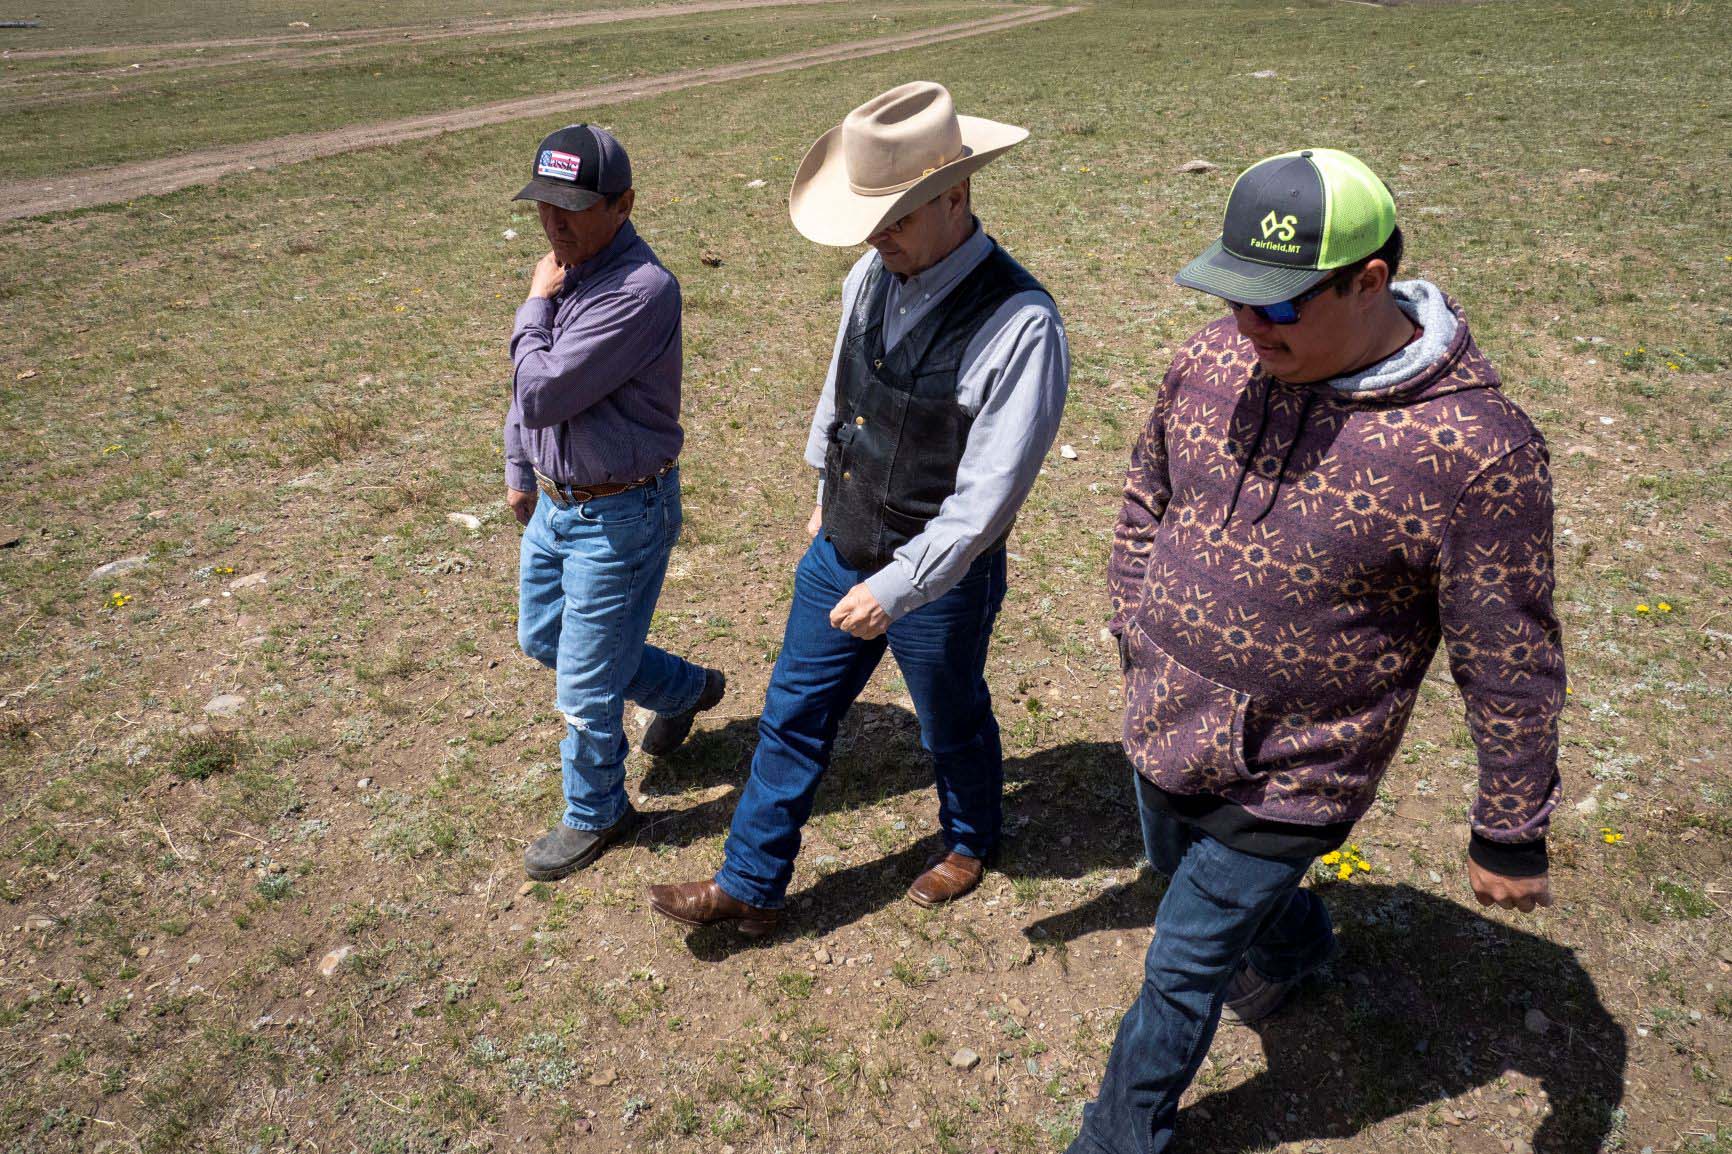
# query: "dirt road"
155, 177
412, 33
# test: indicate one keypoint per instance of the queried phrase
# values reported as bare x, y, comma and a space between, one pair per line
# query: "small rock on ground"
333, 961
1196, 166
1536, 1021
116, 568
225, 705
965, 1059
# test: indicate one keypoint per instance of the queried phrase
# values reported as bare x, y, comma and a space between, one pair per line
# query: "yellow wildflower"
1610, 836
1345, 872
118, 600
1642, 608
1664, 607
1333, 857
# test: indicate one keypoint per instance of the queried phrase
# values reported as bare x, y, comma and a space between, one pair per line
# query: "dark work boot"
565, 850
668, 731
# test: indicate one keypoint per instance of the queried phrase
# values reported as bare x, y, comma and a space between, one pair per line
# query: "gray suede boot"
564, 850
668, 731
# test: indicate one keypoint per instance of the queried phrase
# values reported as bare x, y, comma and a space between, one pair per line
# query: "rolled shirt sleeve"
1021, 370
1506, 653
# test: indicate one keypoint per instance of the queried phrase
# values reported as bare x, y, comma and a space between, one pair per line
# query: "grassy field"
264, 398
64, 122
81, 23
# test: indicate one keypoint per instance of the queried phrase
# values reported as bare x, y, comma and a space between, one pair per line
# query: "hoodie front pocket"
1183, 731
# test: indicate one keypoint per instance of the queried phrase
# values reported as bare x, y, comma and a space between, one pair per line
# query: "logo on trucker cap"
559, 165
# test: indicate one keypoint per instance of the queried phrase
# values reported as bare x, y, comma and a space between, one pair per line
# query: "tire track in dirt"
303, 56
88, 188
416, 33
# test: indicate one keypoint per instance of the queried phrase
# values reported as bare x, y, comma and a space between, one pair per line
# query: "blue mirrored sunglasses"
1287, 312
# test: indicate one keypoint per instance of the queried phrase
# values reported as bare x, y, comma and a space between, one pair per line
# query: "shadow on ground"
1068, 810
1428, 1000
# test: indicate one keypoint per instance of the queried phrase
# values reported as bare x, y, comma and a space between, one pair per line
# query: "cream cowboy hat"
891, 155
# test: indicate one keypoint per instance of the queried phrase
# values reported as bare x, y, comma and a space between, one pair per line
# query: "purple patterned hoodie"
1288, 557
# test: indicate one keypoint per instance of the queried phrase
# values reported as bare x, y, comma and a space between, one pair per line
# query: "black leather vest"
899, 432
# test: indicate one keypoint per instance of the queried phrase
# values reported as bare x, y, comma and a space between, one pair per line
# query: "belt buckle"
546, 485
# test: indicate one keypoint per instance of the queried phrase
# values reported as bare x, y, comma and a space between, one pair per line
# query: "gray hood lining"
1426, 306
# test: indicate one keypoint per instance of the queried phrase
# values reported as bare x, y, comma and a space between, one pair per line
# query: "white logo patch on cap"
559, 165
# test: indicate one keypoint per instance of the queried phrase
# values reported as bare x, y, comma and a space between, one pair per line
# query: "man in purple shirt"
594, 428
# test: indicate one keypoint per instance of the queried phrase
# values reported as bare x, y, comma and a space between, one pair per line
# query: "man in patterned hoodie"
1330, 483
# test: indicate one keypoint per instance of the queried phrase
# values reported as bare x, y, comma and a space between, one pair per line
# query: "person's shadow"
1068, 810
1428, 1000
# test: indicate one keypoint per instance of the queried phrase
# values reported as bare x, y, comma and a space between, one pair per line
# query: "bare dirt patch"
156, 177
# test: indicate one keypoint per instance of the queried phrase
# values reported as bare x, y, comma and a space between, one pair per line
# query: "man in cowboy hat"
1330, 482
591, 440
944, 393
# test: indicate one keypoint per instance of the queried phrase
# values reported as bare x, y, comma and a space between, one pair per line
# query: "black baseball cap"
1293, 220
577, 166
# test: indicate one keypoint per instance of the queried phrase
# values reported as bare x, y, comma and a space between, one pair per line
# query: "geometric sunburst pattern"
1287, 561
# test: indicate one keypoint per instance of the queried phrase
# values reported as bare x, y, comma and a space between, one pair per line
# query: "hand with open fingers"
860, 614
1511, 893
548, 278
521, 504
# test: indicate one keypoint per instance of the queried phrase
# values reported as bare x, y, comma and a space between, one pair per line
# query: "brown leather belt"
566, 496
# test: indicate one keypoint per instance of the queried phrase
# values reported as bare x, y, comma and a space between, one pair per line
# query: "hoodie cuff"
1525, 859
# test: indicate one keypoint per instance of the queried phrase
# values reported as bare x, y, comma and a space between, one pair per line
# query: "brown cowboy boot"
948, 876
705, 904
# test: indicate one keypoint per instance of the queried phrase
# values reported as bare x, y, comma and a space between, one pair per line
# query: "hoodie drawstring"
1256, 443
1286, 457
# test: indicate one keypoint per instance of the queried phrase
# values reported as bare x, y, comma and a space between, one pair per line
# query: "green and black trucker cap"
1292, 220
577, 166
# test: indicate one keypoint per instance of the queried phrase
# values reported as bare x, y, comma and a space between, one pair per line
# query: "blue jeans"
941, 649
1221, 907
588, 579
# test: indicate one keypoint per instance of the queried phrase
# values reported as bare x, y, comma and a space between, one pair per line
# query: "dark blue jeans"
1221, 907
941, 649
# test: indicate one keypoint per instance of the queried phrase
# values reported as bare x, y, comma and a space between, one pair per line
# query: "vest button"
859, 420
847, 476
877, 364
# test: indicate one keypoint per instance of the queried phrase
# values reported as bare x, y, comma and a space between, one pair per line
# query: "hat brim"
559, 194
1247, 282
825, 208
